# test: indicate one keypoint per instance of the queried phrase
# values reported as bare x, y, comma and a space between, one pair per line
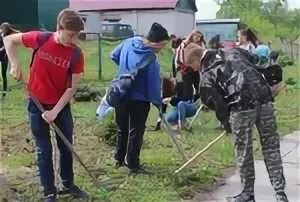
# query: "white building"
177, 16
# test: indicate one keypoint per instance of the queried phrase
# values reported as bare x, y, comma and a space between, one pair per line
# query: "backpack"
42, 38
121, 85
272, 74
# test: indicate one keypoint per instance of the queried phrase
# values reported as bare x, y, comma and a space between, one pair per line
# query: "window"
107, 28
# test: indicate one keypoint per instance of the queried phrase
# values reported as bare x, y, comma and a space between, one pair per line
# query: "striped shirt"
179, 58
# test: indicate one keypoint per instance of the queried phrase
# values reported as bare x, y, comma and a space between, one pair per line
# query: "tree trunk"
298, 53
292, 49
283, 47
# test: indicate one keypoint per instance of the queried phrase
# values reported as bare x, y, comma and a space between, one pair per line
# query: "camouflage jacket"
234, 76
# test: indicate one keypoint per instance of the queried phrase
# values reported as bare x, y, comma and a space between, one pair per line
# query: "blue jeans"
182, 111
41, 133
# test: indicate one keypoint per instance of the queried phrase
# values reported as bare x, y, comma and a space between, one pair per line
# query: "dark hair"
168, 87
7, 29
203, 40
176, 43
250, 36
214, 42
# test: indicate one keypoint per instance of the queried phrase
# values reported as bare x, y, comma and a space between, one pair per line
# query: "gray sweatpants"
242, 123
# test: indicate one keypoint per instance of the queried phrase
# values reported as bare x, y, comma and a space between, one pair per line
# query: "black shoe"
50, 198
140, 170
73, 191
226, 126
4, 94
158, 126
281, 197
241, 198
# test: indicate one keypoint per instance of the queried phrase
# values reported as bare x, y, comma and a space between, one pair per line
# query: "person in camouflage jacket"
246, 101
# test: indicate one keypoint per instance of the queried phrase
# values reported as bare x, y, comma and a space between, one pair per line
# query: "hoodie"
236, 79
134, 57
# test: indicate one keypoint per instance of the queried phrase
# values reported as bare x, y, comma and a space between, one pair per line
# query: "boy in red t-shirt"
54, 74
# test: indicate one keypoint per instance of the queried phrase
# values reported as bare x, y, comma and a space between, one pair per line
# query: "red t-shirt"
49, 75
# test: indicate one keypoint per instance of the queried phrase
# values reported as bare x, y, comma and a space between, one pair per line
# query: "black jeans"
131, 117
4, 66
190, 79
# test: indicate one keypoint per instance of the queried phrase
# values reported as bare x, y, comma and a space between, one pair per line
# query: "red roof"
85, 5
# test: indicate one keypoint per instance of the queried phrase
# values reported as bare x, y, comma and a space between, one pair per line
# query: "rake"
201, 152
172, 134
63, 138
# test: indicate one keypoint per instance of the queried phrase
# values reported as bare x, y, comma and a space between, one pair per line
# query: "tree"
286, 24
270, 18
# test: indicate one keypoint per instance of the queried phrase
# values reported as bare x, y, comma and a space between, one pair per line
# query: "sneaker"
142, 169
50, 198
241, 198
4, 93
73, 191
158, 126
281, 197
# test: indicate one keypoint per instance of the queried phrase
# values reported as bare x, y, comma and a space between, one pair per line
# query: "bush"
109, 129
291, 81
285, 60
85, 93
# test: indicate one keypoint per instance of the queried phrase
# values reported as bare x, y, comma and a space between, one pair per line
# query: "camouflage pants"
242, 123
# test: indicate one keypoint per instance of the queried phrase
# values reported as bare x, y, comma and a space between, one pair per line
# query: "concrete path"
290, 150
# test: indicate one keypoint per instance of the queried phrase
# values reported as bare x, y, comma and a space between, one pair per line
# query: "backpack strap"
42, 38
74, 59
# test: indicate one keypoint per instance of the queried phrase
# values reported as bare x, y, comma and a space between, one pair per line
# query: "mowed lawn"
158, 152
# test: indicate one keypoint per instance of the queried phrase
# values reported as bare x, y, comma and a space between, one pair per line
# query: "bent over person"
249, 101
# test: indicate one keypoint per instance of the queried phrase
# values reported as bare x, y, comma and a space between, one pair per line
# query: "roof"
88, 5
217, 21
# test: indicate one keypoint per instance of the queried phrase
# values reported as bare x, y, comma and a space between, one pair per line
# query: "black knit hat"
157, 33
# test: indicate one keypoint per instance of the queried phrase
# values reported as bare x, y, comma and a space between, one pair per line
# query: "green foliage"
109, 129
285, 60
270, 20
290, 81
86, 93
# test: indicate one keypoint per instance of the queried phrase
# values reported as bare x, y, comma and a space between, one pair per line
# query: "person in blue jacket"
137, 56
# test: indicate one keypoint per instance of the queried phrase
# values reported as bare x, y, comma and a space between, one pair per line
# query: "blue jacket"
131, 56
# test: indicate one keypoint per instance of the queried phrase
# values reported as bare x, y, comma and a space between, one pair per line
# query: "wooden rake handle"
201, 152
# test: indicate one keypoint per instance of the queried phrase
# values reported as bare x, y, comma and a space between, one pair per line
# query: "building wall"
175, 22
92, 21
226, 31
184, 23
127, 17
141, 20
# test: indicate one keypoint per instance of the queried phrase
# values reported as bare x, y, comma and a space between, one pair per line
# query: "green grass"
158, 150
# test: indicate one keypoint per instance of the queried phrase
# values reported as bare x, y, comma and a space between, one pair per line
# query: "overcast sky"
207, 8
